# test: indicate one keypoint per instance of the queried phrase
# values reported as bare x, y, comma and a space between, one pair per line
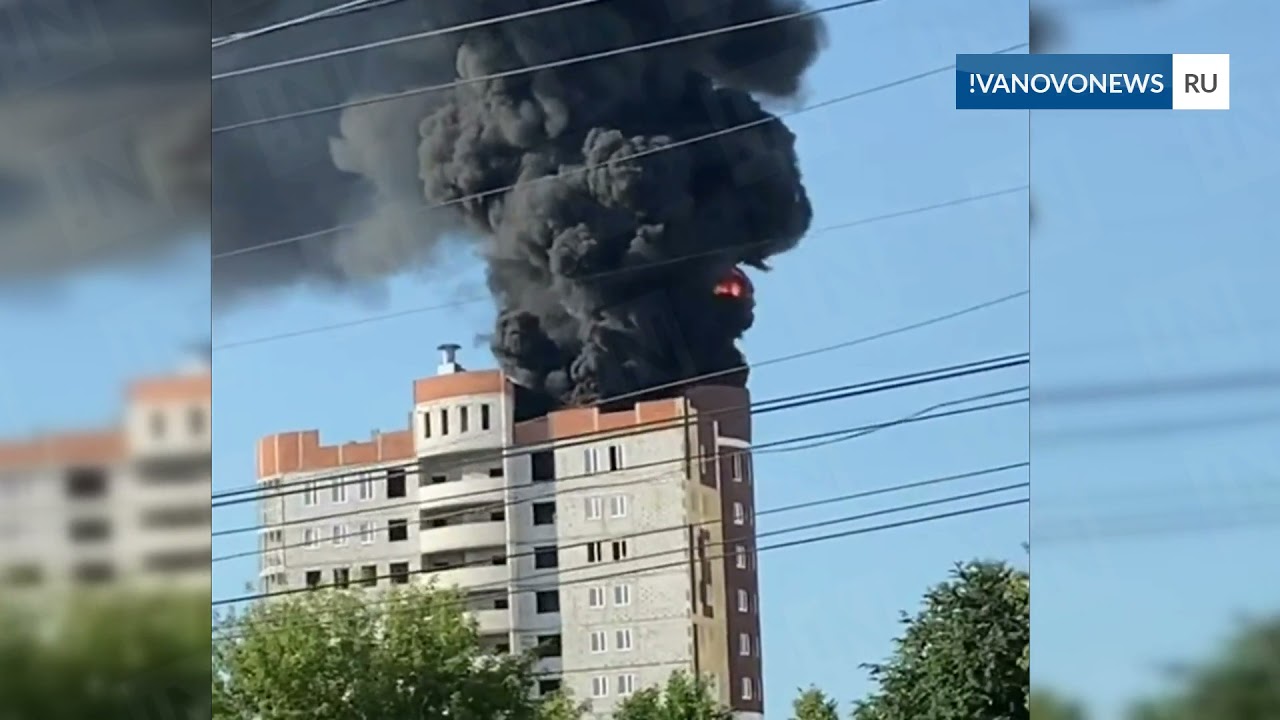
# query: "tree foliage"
963, 656
1240, 683
813, 704
683, 698
106, 656
410, 653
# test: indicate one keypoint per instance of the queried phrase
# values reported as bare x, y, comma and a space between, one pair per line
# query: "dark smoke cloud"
590, 303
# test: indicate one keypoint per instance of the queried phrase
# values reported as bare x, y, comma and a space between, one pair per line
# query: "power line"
504, 505
584, 438
639, 267
329, 54
526, 69
611, 161
346, 8
784, 403
508, 588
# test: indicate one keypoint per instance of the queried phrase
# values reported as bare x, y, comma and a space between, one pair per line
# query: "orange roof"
172, 388
90, 448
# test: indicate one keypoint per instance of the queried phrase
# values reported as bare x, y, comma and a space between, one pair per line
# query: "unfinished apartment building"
128, 504
616, 543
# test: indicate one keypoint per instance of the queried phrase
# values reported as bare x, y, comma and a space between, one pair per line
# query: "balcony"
463, 536
493, 622
472, 489
487, 576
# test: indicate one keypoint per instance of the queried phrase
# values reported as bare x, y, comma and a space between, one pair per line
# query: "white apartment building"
620, 545
125, 504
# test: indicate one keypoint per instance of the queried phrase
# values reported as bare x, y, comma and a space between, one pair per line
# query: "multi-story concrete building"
125, 504
617, 541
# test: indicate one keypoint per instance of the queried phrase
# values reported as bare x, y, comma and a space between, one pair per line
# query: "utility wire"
537, 494
635, 268
647, 426
611, 161
329, 54
784, 403
506, 588
526, 69
346, 8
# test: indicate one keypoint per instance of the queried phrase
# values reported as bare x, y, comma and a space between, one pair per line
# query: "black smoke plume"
602, 264
603, 256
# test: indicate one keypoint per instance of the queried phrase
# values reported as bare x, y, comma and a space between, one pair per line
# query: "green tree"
813, 704
1049, 706
411, 653
106, 655
683, 698
963, 655
1241, 683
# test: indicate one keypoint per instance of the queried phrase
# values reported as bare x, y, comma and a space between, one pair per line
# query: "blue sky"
1151, 261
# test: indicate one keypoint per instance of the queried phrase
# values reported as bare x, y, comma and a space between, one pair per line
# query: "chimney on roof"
449, 359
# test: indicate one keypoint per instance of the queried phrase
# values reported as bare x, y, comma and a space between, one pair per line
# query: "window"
341, 577
748, 689
157, 424
426, 424
90, 529
367, 531
498, 516
595, 552
735, 466
310, 493
368, 575
544, 513
338, 490
599, 686
366, 487
740, 557
397, 530
626, 684
618, 506
744, 601
399, 573
615, 457
544, 466
311, 538
590, 461
739, 513
444, 421
595, 508
547, 601
619, 549
545, 687
744, 645
546, 557
595, 597
622, 595
599, 641
548, 646
195, 421
496, 472
484, 416
501, 603
622, 640
84, 483
395, 483
313, 579
339, 535
463, 419
439, 479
